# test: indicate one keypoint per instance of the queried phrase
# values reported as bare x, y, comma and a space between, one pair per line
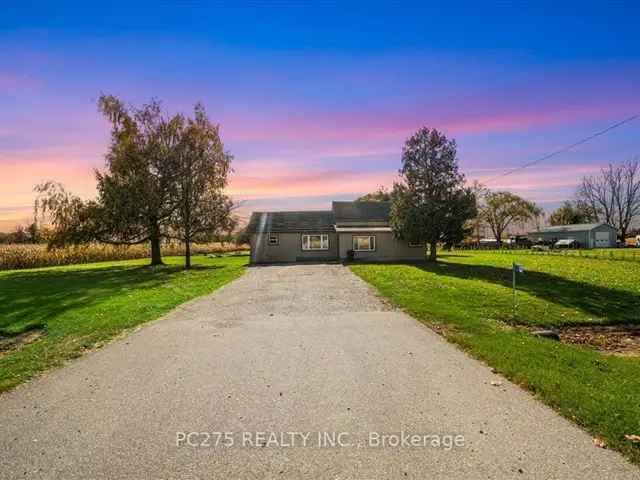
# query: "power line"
564, 149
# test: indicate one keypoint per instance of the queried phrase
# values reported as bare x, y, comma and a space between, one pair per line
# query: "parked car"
520, 241
544, 243
539, 247
567, 243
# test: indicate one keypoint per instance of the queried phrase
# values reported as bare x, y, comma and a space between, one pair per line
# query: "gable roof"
578, 227
283, 222
361, 212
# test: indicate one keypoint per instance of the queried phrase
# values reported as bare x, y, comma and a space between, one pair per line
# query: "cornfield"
15, 256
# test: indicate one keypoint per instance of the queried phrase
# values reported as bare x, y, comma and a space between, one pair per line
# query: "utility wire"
564, 149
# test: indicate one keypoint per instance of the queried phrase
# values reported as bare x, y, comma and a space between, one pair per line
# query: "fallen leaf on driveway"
598, 442
633, 438
496, 383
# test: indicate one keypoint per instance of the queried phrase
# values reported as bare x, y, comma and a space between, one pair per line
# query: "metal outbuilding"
588, 235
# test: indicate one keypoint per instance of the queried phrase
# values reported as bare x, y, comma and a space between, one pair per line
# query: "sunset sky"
315, 102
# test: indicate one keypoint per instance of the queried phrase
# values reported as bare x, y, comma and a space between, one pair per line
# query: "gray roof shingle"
283, 222
361, 212
342, 213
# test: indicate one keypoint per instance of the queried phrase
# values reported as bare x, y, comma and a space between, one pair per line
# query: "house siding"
388, 248
289, 248
338, 224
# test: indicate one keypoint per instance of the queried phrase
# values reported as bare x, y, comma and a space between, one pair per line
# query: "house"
588, 235
329, 235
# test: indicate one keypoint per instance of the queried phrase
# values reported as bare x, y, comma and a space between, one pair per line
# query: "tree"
430, 204
501, 209
380, 195
571, 213
34, 232
163, 179
19, 235
614, 195
243, 237
203, 166
463, 206
138, 191
479, 192
74, 220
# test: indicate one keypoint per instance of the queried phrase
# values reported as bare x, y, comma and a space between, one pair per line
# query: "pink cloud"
305, 148
542, 184
547, 98
391, 125
21, 172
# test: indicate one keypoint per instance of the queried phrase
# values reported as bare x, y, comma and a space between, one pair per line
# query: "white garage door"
602, 239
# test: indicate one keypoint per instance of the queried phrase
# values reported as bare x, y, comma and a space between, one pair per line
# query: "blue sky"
315, 100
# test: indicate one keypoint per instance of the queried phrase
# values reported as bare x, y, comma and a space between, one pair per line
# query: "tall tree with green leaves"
502, 209
164, 179
380, 195
137, 191
431, 204
203, 210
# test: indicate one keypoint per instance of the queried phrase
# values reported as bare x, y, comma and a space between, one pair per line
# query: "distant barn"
588, 235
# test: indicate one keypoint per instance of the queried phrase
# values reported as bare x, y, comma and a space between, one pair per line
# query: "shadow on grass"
31, 299
608, 304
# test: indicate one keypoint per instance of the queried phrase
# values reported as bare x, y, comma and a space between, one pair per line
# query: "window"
364, 243
315, 242
273, 239
416, 245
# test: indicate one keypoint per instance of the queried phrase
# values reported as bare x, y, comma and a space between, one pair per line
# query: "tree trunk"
187, 253
432, 251
498, 234
156, 254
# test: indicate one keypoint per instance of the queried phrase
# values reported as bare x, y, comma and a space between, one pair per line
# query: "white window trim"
270, 236
306, 245
372, 243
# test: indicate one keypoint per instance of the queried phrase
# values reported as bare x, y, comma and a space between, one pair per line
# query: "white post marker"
515, 270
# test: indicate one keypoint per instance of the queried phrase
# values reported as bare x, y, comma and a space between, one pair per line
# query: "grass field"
467, 296
625, 254
79, 307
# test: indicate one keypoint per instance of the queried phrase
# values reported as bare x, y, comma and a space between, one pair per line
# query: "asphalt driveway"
304, 372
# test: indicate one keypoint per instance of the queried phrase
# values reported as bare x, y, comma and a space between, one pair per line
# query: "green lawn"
624, 254
468, 295
80, 307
